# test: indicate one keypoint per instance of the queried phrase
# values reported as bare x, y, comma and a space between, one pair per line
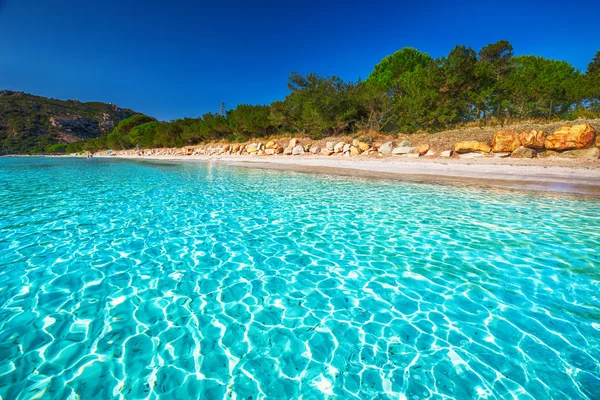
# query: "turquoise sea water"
141, 280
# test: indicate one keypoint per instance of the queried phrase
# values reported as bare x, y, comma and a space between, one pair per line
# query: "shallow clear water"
132, 280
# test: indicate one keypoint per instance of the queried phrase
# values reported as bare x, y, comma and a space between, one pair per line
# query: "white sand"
537, 174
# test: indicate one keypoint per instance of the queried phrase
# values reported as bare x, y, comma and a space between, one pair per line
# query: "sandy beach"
568, 176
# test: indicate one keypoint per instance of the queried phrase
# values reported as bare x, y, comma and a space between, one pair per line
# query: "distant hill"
31, 124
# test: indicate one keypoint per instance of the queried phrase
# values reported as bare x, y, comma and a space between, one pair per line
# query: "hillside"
31, 124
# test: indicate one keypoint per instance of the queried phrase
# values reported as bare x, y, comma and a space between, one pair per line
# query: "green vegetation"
32, 124
408, 91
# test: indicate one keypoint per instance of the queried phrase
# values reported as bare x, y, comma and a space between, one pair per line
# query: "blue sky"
171, 59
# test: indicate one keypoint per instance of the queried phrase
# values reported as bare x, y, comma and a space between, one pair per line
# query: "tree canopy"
408, 91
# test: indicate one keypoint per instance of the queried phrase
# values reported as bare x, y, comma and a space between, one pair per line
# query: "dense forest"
407, 92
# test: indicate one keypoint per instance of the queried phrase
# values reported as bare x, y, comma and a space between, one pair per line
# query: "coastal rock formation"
252, 148
446, 153
404, 150
591, 153
471, 155
326, 152
315, 149
354, 150
386, 148
470, 147
598, 141
271, 144
293, 143
423, 149
298, 150
339, 146
534, 139
330, 146
571, 137
523, 152
504, 141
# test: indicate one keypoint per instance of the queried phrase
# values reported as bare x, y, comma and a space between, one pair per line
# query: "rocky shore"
567, 142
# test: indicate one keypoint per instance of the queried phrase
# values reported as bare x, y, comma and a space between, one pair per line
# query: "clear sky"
173, 58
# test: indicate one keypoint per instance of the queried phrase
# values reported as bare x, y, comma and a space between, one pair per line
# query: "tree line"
408, 91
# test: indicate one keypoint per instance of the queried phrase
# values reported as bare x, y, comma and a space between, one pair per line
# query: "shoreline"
563, 177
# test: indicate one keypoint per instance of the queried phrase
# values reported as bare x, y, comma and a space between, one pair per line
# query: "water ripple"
130, 280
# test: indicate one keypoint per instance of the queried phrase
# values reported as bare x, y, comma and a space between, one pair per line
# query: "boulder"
346, 147
364, 146
593, 153
297, 150
534, 139
330, 145
471, 155
386, 148
260, 152
405, 143
523, 152
315, 149
571, 137
326, 152
404, 150
430, 153
354, 150
547, 153
226, 148
355, 142
270, 152
260, 146
470, 147
287, 151
506, 141
422, 149
252, 148
598, 141
271, 144
446, 153
339, 146
235, 148
293, 143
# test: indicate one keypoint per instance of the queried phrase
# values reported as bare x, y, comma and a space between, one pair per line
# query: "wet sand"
537, 174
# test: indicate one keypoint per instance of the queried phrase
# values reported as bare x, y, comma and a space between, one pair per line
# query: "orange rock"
571, 137
354, 150
422, 149
469, 147
504, 141
533, 139
598, 141
364, 146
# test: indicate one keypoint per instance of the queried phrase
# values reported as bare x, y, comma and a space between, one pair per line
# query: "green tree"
317, 105
390, 72
248, 121
494, 66
594, 65
540, 87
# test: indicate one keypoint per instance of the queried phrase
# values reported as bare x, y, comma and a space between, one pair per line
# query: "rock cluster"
575, 141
